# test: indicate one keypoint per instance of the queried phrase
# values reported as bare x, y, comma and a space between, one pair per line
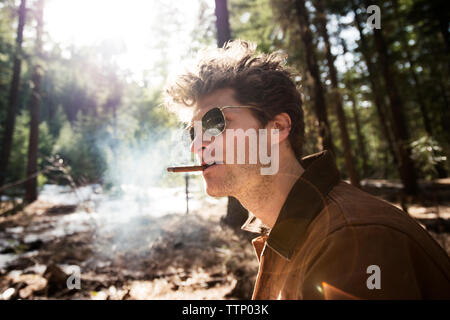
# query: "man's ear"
282, 122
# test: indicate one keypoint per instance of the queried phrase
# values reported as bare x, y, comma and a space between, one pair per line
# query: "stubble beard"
242, 181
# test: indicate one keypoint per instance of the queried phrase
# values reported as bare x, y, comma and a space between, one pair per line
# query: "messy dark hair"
260, 80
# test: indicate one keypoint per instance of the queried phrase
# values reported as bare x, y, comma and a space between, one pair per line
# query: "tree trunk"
337, 98
236, 213
401, 134
13, 99
356, 119
416, 81
32, 167
440, 169
376, 90
313, 68
359, 136
222, 23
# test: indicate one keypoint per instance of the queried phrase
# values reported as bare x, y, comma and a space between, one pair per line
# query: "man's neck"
270, 195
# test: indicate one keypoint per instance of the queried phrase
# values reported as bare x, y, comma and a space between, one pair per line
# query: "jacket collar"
305, 200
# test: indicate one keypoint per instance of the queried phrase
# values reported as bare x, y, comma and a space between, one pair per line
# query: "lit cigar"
186, 169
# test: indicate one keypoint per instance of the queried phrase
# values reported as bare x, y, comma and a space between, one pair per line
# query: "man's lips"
206, 166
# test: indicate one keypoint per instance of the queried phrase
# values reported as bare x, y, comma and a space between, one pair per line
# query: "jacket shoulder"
362, 228
347, 258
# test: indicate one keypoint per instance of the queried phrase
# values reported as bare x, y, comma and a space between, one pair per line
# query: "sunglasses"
214, 122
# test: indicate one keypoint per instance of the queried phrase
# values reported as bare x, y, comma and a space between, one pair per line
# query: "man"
321, 237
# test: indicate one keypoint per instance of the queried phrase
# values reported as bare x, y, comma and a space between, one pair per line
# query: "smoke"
140, 192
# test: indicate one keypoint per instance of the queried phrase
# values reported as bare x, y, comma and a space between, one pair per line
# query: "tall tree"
236, 213
32, 167
396, 106
313, 69
356, 119
402, 36
222, 23
416, 81
359, 135
376, 90
434, 16
13, 99
336, 96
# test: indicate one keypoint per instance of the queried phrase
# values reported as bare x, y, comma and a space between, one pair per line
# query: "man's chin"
218, 181
216, 188
215, 192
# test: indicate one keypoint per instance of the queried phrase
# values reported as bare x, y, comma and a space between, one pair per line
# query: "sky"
136, 24
139, 25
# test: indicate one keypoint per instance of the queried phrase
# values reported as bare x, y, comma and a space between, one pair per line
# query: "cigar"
186, 169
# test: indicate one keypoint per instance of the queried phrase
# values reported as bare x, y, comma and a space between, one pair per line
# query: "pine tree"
13, 100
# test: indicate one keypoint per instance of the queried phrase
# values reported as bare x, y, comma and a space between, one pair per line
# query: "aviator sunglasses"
214, 122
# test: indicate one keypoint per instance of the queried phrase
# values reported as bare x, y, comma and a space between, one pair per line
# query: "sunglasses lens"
213, 122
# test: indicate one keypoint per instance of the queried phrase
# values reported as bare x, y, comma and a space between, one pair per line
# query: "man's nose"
198, 145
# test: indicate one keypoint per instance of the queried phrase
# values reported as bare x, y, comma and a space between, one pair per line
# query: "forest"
85, 137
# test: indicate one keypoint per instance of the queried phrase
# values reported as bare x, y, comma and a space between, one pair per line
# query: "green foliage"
6, 54
77, 146
18, 163
427, 154
253, 20
46, 142
91, 110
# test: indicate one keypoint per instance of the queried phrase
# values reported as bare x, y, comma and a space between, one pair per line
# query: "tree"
376, 90
32, 167
356, 118
236, 213
434, 17
222, 23
336, 96
416, 81
13, 99
400, 129
313, 69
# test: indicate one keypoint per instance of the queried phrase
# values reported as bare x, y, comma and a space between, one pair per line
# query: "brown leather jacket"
329, 233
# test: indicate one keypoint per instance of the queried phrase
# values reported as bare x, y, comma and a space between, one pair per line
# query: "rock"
8, 294
35, 286
56, 279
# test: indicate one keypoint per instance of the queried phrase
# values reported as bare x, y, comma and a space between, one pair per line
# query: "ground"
171, 256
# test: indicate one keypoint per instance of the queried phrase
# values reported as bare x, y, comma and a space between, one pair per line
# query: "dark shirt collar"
305, 200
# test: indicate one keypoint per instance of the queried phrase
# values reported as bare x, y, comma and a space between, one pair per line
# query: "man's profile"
319, 236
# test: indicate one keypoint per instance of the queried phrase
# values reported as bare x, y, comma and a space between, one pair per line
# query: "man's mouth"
206, 166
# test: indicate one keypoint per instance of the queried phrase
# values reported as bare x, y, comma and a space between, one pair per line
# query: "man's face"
227, 179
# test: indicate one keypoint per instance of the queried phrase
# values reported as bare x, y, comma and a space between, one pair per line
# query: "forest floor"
173, 256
